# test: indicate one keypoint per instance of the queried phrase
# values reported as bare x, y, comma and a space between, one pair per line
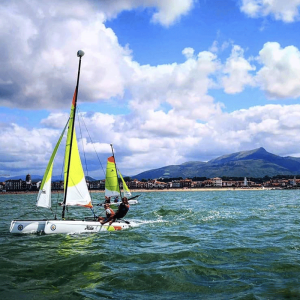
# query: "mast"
112, 150
80, 53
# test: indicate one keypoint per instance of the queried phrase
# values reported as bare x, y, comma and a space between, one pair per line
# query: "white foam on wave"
136, 223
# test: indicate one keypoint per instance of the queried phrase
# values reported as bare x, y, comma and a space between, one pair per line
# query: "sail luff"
44, 195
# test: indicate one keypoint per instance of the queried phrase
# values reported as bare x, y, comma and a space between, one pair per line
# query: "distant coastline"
210, 189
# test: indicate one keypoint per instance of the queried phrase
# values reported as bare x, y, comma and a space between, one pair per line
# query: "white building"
217, 181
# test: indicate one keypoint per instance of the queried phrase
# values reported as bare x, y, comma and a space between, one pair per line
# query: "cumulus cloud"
183, 86
166, 12
274, 127
280, 75
173, 117
163, 139
25, 149
39, 44
237, 70
287, 11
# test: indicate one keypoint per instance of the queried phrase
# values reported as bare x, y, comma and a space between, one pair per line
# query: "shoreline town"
210, 189
158, 185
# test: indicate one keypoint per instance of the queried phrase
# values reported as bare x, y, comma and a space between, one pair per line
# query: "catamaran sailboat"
112, 185
75, 189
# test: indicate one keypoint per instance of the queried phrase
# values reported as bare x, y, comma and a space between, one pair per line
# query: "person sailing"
122, 210
109, 214
107, 199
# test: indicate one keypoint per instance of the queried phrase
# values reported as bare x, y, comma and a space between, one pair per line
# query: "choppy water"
189, 245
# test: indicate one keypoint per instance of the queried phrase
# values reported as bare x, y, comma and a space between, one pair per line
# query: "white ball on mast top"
80, 53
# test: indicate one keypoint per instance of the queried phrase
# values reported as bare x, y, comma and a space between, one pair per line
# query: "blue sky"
165, 81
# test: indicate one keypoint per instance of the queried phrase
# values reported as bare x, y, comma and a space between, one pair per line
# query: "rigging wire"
86, 168
92, 143
78, 118
81, 119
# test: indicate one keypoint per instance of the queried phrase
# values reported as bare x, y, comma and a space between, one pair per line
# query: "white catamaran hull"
63, 226
27, 226
133, 201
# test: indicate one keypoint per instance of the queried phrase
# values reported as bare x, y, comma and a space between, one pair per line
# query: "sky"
164, 81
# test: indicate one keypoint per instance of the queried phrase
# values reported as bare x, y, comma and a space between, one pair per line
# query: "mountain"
89, 178
253, 163
23, 177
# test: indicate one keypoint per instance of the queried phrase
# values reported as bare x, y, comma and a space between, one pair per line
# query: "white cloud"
162, 139
188, 52
39, 44
167, 11
280, 75
55, 120
183, 86
171, 10
173, 117
287, 11
27, 150
261, 126
237, 70
214, 47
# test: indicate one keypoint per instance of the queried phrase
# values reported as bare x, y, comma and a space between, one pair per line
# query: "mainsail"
112, 188
44, 195
77, 191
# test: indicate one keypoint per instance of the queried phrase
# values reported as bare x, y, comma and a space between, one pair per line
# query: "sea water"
185, 245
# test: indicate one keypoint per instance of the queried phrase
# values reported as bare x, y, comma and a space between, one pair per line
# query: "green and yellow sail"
112, 188
111, 180
77, 190
44, 195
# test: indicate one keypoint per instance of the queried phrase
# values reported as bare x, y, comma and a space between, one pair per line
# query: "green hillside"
253, 163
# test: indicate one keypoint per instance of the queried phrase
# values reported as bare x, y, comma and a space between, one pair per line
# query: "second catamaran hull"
63, 226
27, 226
133, 201
115, 205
